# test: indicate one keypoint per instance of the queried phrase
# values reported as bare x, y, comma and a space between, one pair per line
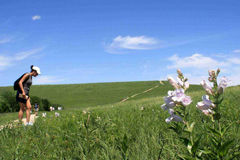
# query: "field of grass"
118, 131
92, 94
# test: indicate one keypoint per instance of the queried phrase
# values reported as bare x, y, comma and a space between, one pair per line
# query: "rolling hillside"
92, 94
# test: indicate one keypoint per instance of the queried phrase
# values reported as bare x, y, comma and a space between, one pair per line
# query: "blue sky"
108, 41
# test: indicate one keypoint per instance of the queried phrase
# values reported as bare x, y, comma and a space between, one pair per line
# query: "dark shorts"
22, 100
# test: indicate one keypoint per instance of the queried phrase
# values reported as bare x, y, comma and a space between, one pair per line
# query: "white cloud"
47, 80
23, 55
195, 61
237, 51
132, 43
36, 17
234, 60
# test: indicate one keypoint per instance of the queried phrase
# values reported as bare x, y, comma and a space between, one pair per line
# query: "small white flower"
224, 82
142, 108
57, 114
173, 117
44, 114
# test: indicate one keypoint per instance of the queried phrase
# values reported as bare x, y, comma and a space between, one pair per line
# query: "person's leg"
21, 111
28, 110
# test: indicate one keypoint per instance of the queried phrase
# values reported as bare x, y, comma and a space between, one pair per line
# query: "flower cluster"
177, 97
207, 106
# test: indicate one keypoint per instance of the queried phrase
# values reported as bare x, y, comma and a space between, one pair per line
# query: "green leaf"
187, 143
223, 150
192, 126
214, 131
225, 129
215, 143
195, 145
237, 154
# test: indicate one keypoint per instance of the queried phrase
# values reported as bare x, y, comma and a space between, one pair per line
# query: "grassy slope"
148, 134
92, 94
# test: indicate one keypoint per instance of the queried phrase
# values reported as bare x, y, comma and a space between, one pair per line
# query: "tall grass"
119, 131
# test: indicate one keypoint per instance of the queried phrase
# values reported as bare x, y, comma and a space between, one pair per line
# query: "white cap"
37, 69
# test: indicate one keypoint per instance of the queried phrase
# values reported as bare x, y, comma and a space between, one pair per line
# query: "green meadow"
93, 125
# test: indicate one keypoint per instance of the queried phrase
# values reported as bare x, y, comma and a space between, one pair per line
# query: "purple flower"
178, 95
173, 117
186, 101
206, 104
168, 103
223, 83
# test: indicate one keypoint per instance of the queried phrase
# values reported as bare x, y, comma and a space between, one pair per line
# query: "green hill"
92, 94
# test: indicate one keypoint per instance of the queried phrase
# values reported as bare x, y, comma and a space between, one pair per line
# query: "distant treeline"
8, 102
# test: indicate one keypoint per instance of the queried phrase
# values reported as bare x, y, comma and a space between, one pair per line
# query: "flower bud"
179, 72
173, 82
210, 72
218, 71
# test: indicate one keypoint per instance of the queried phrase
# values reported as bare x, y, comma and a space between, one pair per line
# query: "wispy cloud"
234, 60
194, 61
4, 62
5, 40
237, 51
23, 55
123, 44
48, 80
36, 17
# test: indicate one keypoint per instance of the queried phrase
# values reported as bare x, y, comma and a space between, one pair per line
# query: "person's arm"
20, 83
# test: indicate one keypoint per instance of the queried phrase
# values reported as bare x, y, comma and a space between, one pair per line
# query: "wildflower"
57, 114
44, 114
223, 83
186, 101
142, 108
173, 117
178, 95
207, 87
205, 104
168, 103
